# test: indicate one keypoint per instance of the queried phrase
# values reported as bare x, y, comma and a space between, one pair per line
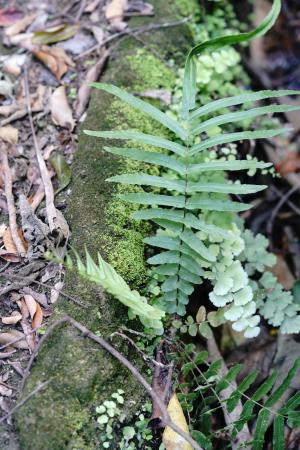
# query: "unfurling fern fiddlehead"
184, 192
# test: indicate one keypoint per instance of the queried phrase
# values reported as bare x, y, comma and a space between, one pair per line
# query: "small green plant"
194, 186
108, 413
208, 382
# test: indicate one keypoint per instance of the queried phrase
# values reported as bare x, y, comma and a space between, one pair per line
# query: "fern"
186, 189
105, 275
257, 405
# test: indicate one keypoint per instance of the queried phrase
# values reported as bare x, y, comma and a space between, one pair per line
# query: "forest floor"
48, 51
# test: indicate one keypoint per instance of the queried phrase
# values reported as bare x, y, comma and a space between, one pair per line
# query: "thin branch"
39, 283
116, 354
136, 31
49, 192
25, 399
10, 203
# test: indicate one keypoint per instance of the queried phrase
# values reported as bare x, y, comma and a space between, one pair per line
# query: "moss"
61, 417
149, 72
188, 7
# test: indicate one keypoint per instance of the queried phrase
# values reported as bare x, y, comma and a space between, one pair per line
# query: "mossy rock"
62, 416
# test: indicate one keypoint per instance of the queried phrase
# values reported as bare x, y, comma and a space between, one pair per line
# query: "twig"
80, 10
145, 357
99, 340
25, 399
244, 435
39, 283
135, 31
85, 90
49, 192
10, 203
280, 204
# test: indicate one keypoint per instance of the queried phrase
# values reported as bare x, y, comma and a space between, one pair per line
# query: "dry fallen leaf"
54, 34
8, 16
282, 272
172, 440
5, 391
3, 228
115, 12
20, 26
9, 134
11, 336
7, 110
13, 319
56, 59
31, 304
290, 164
9, 243
14, 63
92, 6
61, 112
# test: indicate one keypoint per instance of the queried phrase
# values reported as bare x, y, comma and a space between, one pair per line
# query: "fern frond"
188, 242
105, 275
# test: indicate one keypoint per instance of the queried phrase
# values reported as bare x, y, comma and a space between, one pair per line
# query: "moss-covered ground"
82, 375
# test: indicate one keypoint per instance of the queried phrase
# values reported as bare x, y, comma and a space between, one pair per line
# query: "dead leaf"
290, 164
13, 319
171, 439
139, 8
38, 317
92, 6
3, 228
56, 59
35, 311
5, 391
8, 242
115, 12
31, 304
61, 112
9, 134
12, 335
282, 272
9, 16
55, 293
201, 314
20, 26
6, 88
14, 64
54, 34
7, 110
98, 33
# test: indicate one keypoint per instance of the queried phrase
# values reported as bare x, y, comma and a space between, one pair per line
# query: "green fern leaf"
105, 275
144, 107
240, 100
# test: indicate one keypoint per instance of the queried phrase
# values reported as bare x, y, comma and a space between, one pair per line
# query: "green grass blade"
215, 205
239, 100
228, 165
140, 137
144, 107
238, 116
233, 137
143, 179
148, 157
189, 80
224, 188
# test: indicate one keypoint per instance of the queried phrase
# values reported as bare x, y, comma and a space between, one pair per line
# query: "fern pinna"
186, 190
